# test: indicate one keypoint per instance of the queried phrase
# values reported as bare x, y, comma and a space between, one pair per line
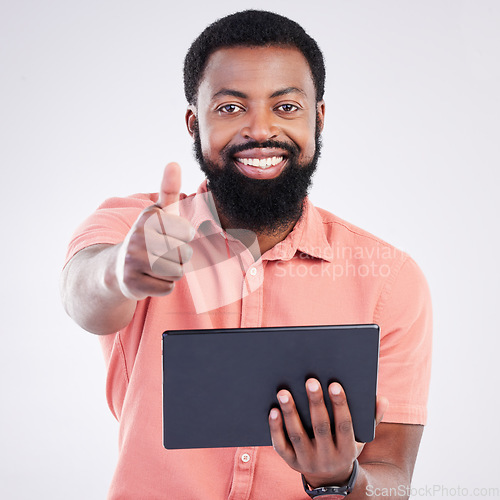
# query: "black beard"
265, 206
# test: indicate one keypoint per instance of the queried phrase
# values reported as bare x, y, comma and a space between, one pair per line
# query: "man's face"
256, 127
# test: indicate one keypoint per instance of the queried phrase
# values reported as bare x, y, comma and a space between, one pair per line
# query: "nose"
260, 125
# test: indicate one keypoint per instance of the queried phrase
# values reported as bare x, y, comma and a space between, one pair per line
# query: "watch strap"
333, 492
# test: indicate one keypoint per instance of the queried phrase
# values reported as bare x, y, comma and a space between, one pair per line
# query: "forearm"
90, 291
381, 480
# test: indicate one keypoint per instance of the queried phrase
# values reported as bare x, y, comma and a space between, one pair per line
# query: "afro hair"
251, 28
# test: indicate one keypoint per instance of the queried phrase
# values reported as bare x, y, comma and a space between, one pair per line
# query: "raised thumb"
168, 198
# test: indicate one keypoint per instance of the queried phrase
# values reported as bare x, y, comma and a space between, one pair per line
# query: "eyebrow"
288, 90
242, 95
229, 92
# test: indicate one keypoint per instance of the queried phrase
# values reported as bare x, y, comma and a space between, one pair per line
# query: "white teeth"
261, 162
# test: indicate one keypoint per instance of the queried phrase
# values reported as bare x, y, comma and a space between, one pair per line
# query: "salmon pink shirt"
326, 271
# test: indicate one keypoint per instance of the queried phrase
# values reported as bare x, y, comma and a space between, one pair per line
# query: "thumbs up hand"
151, 257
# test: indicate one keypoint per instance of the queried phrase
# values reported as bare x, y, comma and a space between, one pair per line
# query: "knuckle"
178, 271
133, 249
296, 438
322, 429
187, 229
129, 276
186, 252
129, 259
344, 427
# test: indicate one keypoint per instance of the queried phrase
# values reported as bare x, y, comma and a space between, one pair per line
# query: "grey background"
91, 106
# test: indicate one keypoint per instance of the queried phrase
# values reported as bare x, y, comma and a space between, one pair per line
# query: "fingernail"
283, 398
274, 414
313, 385
335, 390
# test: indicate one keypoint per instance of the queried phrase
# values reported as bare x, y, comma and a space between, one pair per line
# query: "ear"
190, 119
320, 107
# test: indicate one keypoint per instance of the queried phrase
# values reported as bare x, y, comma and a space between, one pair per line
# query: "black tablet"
219, 385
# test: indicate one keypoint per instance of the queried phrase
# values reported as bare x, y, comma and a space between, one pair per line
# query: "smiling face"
256, 127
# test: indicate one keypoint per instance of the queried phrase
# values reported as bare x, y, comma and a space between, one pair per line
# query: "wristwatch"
333, 492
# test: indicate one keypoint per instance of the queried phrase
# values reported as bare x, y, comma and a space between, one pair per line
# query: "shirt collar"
200, 207
308, 235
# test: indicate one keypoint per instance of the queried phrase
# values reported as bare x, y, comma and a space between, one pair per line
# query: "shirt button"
245, 457
253, 271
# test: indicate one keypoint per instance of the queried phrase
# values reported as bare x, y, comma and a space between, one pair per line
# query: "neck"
266, 240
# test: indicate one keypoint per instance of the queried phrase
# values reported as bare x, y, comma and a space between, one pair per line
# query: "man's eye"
229, 109
288, 108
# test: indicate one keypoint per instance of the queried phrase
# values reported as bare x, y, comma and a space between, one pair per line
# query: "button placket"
243, 474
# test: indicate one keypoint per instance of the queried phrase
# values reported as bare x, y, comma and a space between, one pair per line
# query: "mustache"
290, 148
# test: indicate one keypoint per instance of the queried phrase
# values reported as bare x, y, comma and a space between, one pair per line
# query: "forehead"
256, 71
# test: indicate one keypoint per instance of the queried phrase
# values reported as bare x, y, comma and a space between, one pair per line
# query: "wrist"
341, 480
337, 491
114, 275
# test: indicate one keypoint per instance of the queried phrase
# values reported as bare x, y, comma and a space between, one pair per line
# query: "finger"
173, 225
278, 438
157, 223
166, 270
140, 286
179, 255
344, 434
320, 419
168, 247
382, 405
296, 432
170, 189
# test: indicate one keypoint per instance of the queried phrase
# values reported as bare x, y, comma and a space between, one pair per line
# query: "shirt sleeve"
109, 224
404, 314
